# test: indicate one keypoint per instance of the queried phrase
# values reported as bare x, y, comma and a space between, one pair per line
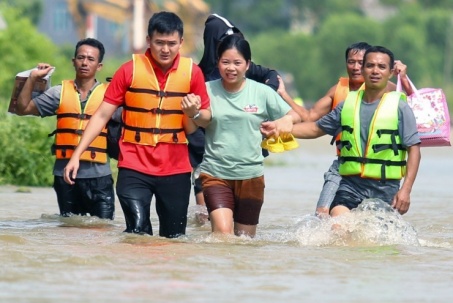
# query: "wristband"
196, 116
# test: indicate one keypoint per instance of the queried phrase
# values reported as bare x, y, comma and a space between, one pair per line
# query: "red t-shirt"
164, 159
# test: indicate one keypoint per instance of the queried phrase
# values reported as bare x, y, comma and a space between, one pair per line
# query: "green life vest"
384, 157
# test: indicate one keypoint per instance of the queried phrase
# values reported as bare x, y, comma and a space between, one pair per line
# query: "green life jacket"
384, 157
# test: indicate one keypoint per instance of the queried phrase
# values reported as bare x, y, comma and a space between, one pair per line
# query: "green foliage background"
418, 38
420, 34
25, 157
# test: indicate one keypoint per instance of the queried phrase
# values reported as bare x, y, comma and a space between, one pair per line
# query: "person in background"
379, 139
153, 159
335, 95
216, 28
74, 102
232, 171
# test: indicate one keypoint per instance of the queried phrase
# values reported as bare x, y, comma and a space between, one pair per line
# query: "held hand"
70, 171
284, 125
41, 70
281, 86
268, 129
401, 201
399, 69
191, 104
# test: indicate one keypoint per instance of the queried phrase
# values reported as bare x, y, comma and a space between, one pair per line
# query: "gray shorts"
332, 180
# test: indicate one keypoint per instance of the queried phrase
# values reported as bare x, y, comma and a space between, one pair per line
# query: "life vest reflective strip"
71, 122
385, 157
150, 115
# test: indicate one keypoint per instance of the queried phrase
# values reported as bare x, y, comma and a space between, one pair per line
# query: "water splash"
197, 215
377, 222
373, 222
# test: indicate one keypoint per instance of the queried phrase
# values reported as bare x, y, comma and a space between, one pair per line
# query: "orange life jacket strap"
72, 115
64, 148
154, 110
89, 148
155, 131
158, 93
72, 131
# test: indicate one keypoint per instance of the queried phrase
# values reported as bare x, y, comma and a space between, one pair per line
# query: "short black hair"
165, 23
235, 41
380, 49
94, 43
356, 47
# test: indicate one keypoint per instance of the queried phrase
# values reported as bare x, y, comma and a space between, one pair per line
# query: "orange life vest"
341, 92
72, 120
152, 115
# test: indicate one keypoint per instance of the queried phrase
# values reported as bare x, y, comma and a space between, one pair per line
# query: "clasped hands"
279, 128
190, 105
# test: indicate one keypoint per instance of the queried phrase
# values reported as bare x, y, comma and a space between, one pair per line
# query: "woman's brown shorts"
243, 197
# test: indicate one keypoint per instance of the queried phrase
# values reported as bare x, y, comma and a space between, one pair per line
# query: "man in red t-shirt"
153, 158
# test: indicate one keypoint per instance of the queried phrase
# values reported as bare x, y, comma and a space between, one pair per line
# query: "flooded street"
294, 258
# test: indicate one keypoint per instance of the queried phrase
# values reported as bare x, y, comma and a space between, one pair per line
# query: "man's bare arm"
25, 105
323, 106
307, 130
401, 201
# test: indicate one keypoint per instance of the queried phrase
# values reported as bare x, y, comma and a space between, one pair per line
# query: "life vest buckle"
83, 116
79, 132
156, 111
93, 155
137, 136
161, 94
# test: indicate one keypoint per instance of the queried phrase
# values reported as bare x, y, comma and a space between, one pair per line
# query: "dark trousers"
135, 191
91, 196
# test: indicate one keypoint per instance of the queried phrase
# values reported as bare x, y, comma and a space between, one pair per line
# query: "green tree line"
25, 157
420, 33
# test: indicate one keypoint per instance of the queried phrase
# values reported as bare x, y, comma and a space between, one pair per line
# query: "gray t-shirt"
47, 104
407, 128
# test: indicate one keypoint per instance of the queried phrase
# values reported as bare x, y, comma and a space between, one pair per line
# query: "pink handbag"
431, 113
